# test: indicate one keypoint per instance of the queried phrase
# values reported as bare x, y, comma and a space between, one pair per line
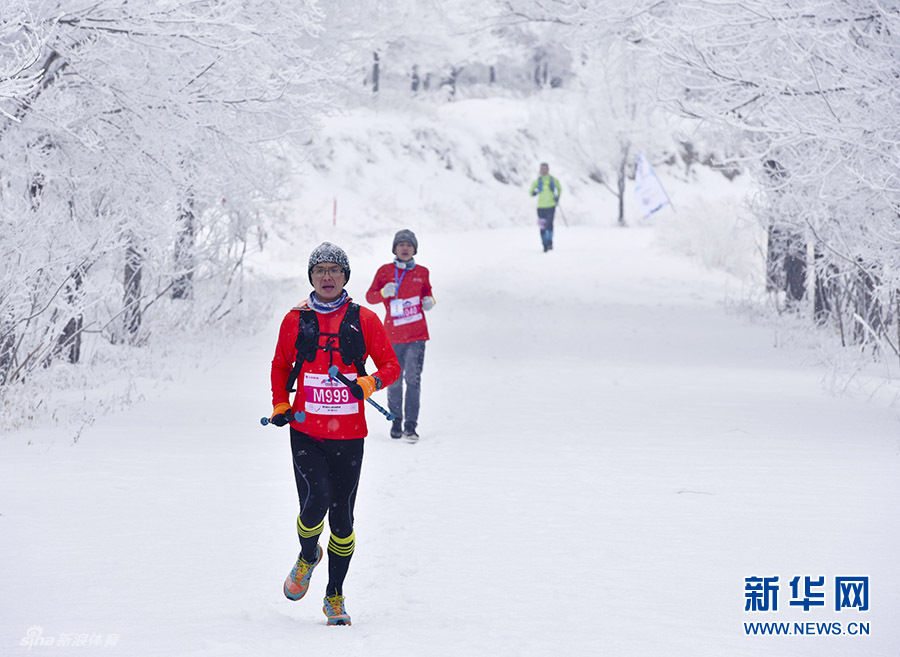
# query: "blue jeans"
412, 358
545, 223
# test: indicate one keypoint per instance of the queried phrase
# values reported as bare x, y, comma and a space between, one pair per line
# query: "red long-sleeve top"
331, 411
404, 319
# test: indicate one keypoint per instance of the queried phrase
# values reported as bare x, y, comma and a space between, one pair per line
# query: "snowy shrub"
718, 233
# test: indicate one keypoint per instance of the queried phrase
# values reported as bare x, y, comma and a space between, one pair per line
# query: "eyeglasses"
331, 271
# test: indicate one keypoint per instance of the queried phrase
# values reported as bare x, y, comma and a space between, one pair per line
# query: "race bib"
327, 397
406, 311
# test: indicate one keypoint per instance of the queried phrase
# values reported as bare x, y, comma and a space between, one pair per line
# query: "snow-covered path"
606, 455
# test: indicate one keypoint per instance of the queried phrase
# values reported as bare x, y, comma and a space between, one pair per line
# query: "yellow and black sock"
309, 539
340, 551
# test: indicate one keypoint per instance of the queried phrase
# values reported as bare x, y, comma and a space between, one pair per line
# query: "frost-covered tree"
620, 115
552, 28
131, 164
813, 85
375, 39
408, 47
614, 113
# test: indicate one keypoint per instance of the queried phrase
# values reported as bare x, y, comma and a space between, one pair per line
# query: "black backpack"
351, 343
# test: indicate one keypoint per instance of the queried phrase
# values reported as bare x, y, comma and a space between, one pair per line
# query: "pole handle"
335, 374
291, 417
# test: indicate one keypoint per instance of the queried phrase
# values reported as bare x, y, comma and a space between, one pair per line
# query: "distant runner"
548, 190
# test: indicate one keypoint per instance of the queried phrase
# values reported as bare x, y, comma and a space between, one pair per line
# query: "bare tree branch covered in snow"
19, 53
138, 144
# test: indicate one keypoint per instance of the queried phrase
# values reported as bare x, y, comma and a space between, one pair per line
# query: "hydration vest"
540, 185
351, 343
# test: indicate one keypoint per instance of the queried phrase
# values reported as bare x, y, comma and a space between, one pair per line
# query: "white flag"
648, 191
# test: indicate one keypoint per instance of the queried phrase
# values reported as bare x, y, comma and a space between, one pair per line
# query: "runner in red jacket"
329, 414
327, 446
404, 288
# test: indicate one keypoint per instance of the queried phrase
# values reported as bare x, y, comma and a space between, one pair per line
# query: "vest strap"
351, 344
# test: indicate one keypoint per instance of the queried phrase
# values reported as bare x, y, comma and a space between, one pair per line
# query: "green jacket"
547, 189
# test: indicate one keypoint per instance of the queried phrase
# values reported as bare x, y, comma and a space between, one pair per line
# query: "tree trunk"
786, 261
824, 297
795, 266
133, 265
897, 316
621, 184
786, 252
70, 339
184, 251
866, 304
7, 351
540, 68
454, 76
774, 251
376, 72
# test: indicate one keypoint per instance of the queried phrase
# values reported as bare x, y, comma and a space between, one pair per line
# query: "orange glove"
367, 385
278, 418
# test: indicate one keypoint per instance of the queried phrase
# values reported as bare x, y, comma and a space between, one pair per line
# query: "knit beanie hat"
328, 252
406, 235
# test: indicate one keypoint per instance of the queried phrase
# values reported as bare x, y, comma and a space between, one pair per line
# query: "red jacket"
404, 319
331, 411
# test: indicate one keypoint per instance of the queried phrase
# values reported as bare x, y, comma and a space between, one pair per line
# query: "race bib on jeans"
406, 311
327, 397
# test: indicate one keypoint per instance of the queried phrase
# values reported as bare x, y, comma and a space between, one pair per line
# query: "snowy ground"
607, 453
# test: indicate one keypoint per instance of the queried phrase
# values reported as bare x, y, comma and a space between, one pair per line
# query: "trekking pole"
291, 417
334, 374
563, 215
